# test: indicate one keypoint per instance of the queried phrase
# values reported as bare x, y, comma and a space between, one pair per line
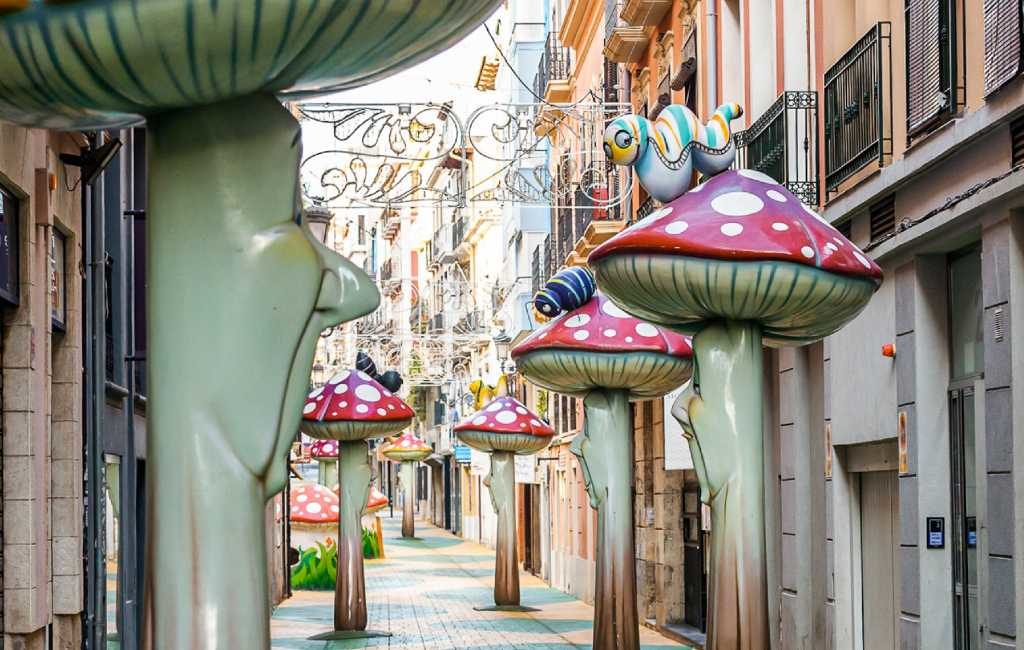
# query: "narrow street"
424, 593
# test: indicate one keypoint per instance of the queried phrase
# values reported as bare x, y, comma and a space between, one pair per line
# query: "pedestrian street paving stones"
424, 593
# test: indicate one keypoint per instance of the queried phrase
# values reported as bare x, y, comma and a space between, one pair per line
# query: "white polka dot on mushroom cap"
497, 406
362, 408
367, 393
731, 229
534, 422
340, 388
657, 214
382, 412
506, 417
755, 175
314, 508
613, 310
863, 260
629, 339
609, 333
676, 227
363, 375
309, 408
316, 392
335, 509
577, 320
520, 410
736, 204
838, 241
776, 196
781, 227
807, 252
302, 498
646, 329
581, 335
480, 419
340, 377
343, 404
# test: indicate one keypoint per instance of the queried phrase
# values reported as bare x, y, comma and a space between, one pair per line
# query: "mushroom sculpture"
313, 513
325, 453
408, 449
352, 408
504, 428
739, 262
227, 246
222, 215
607, 357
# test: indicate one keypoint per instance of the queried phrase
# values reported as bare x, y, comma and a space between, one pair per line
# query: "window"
965, 314
9, 247
58, 280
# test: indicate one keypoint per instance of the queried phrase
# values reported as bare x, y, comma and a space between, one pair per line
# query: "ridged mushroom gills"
408, 446
504, 424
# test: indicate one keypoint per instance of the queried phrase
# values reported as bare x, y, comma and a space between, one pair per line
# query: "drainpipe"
711, 16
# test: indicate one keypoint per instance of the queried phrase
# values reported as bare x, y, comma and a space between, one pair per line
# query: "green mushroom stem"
501, 482
350, 588
408, 498
722, 421
327, 475
605, 450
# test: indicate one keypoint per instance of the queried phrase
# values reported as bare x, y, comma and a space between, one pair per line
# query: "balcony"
390, 276
644, 13
392, 224
623, 43
646, 208
858, 107
539, 265
552, 79
459, 244
783, 143
594, 221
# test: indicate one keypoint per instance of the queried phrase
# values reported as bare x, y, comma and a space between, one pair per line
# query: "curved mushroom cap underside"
742, 216
408, 446
352, 430
793, 303
108, 63
504, 424
645, 375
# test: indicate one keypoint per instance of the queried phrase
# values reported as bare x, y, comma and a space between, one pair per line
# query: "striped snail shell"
566, 290
365, 364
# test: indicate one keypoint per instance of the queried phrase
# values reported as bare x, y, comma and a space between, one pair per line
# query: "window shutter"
925, 92
1002, 43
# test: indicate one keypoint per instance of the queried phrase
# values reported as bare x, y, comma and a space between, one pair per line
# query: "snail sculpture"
566, 290
666, 152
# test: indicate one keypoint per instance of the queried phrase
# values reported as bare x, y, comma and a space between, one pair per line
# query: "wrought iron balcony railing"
566, 238
555, 63
647, 207
783, 143
387, 270
858, 107
539, 265
459, 231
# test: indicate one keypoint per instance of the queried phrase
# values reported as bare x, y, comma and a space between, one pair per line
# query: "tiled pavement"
424, 593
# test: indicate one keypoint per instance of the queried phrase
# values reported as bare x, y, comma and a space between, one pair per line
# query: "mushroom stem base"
350, 588
408, 498
605, 450
724, 428
506, 566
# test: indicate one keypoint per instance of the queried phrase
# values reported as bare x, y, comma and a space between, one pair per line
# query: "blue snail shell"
566, 290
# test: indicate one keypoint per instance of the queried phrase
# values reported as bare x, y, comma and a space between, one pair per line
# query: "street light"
319, 218
503, 346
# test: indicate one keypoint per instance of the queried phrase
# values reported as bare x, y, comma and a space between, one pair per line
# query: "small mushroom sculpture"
325, 453
739, 262
408, 449
352, 408
607, 357
313, 513
228, 246
504, 428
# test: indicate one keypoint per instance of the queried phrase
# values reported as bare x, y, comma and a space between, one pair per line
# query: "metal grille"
883, 218
783, 143
555, 63
647, 207
1017, 141
858, 107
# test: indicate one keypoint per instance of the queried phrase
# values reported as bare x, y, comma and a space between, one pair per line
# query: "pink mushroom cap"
738, 247
408, 446
504, 424
312, 504
324, 449
599, 346
352, 406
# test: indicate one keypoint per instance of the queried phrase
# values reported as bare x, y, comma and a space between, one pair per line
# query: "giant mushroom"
325, 453
352, 408
408, 449
313, 513
739, 262
609, 358
228, 247
504, 428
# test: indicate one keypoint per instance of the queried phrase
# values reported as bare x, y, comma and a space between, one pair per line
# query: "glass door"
964, 535
112, 545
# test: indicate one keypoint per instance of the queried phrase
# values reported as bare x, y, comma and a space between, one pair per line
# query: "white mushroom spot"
334, 413
382, 412
520, 410
506, 417
736, 204
755, 175
335, 509
781, 227
405, 443
535, 422
367, 393
391, 407
610, 333
362, 408
319, 398
480, 419
613, 310
340, 377
497, 406
676, 227
363, 375
629, 339
314, 508
309, 408
731, 229
579, 320
543, 335
316, 392
807, 252
340, 388
387, 393
654, 216
646, 329
581, 335
343, 404
838, 241
522, 425
776, 196
302, 498
863, 260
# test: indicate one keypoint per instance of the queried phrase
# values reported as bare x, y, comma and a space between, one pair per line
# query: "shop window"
10, 246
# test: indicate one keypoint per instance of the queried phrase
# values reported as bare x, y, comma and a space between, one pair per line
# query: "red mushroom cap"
743, 215
325, 449
597, 345
311, 503
504, 424
352, 406
408, 446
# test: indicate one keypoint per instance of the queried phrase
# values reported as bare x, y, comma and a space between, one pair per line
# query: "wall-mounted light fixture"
93, 159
